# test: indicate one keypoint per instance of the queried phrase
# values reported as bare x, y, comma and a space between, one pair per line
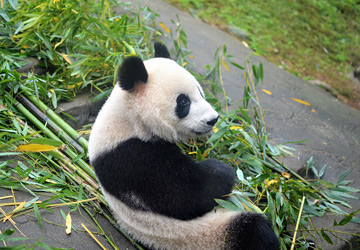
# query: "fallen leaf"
300, 101
245, 44
35, 148
225, 65
285, 175
269, 183
68, 224
66, 57
164, 27
266, 91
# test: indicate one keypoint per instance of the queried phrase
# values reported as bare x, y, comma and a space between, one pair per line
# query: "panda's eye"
182, 105
184, 102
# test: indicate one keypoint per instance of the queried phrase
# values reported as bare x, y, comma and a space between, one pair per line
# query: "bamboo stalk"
297, 223
89, 188
53, 126
115, 225
49, 133
66, 162
56, 118
100, 228
93, 191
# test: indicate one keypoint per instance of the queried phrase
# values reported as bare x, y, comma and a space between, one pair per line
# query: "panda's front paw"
251, 231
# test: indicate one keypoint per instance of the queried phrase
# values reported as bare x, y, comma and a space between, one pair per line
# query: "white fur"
150, 109
161, 232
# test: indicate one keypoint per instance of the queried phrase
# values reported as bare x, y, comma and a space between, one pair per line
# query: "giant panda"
158, 195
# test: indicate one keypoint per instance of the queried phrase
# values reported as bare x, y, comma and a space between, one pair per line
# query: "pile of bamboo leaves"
79, 44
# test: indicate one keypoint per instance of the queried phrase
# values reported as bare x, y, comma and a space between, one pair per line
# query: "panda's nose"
213, 121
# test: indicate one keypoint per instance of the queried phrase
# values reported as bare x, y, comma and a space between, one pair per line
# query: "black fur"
182, 108
131, 72
165, 180
161, 50
251, 231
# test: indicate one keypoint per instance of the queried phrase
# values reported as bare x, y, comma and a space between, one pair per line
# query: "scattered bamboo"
73, 172
51, 135
100, 228
56, 118
52, 125
92, 236
297, 223
12, 222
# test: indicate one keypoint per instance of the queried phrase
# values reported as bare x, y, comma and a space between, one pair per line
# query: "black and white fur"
161, 197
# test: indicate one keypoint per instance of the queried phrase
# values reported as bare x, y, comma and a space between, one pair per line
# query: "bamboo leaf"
326, 237
266, 91
37, 214
300, 101
66, 57
225, 65
164, 27
344, 175
47, 141
347, 218
356, 220
68, 224
228, 205
35, 148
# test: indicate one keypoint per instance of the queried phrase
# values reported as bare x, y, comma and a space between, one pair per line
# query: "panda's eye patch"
182, 105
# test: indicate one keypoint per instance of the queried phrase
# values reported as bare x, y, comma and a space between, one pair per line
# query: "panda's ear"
132, 72
161, 50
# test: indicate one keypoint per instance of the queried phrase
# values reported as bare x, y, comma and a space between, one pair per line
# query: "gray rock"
80, 111
324, 85
239, 33
31, 65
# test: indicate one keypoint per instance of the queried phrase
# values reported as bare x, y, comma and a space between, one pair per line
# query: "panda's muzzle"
201, 133
213, 121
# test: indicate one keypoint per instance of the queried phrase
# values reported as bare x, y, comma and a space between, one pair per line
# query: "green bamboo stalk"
92, 190
53, 126
49, 133
116, 225
100, 197
65, 161
79, 171
56, 118
99, 227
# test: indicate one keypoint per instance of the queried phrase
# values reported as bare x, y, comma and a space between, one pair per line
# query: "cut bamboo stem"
51, 135
53, 126
56, 118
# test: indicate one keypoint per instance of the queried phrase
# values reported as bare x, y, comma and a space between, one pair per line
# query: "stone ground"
331, 128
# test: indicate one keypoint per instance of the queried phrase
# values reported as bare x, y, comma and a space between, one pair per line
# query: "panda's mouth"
202, 132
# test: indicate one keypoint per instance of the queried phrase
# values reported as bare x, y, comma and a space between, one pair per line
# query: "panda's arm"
158, 177
219, 178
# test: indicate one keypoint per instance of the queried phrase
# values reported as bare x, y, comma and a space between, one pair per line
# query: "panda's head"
163, 99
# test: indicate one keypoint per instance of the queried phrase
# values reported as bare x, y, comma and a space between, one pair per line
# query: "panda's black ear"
131, 72
161, 50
